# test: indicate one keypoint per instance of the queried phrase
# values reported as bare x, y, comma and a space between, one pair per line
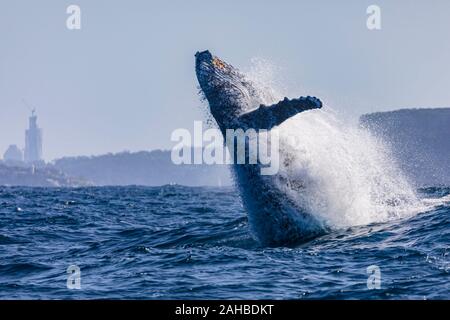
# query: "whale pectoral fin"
267, 117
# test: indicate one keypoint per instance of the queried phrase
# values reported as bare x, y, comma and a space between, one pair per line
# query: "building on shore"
33, 142
13, 155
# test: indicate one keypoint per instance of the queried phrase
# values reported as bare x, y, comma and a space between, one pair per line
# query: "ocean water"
177, 242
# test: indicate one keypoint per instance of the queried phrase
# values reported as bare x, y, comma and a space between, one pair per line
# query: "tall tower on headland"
33, 141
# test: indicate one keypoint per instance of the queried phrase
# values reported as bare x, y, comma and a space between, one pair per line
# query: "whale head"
227, 90
235, 102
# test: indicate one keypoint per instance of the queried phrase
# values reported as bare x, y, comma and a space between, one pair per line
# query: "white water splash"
333, 169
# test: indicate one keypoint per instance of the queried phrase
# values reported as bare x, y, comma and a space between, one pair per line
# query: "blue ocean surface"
177, 242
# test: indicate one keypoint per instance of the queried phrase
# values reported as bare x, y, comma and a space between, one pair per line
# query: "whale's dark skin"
235, 103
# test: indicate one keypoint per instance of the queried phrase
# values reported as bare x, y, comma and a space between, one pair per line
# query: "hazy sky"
126, 80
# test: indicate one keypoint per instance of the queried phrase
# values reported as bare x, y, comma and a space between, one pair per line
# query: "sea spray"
334, 169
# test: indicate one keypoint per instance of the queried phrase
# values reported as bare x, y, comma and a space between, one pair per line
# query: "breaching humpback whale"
235, 103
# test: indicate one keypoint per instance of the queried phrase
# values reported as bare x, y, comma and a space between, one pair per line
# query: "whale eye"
218, 64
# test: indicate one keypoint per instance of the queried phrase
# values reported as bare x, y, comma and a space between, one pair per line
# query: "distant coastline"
37, 176
418, 139
145, 168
